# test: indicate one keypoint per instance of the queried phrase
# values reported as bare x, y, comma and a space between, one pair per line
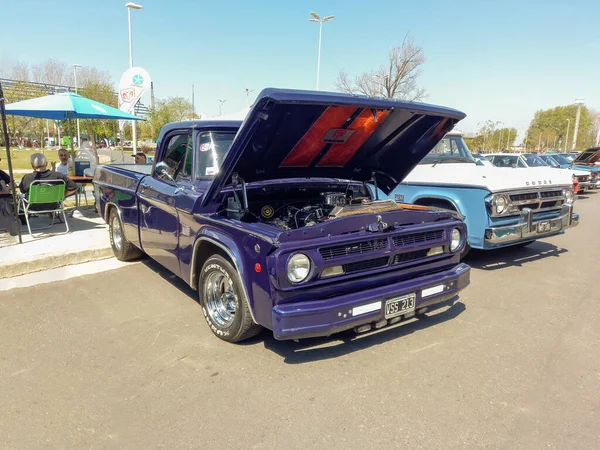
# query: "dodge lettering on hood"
276, 221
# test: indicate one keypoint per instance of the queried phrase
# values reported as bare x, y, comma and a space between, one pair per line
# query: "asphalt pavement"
123, 359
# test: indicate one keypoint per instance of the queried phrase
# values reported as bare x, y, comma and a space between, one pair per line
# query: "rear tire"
122, 248
224, 304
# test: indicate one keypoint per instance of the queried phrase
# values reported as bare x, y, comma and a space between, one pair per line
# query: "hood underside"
303, 134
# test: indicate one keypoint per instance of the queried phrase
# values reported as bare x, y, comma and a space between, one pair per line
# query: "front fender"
249, 256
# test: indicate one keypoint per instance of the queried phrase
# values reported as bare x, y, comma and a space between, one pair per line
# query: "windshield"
534, 161
565, 157
504, 160
562, 160
550, 160
451, 149
212, 147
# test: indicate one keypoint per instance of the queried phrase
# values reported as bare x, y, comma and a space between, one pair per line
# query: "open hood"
589, 156
304, 134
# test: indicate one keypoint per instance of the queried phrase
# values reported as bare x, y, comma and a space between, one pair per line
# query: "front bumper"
594, 184
326, 317
585, 185
526, 229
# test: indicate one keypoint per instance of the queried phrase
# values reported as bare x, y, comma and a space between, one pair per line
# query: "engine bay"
291, 207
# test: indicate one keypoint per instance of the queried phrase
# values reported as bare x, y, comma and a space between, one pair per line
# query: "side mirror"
479, 162
513, 165
162, 169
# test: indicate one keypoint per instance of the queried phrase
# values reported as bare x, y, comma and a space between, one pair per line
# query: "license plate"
401, 305
542, 227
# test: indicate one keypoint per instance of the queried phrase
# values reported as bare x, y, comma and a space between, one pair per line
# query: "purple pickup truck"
274, 220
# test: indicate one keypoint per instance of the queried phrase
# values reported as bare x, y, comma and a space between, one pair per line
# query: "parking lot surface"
123, 359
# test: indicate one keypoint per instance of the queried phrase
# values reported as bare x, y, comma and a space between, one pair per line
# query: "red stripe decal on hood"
311, 143
364, 125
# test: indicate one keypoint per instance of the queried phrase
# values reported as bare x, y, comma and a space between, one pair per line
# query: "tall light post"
578, 102
75, 67
129, 7
221, 106
500, 137
320, 21
567, 136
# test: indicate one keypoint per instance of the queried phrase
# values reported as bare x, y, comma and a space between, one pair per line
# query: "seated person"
4, 182
140, 158
63, 165
39, 165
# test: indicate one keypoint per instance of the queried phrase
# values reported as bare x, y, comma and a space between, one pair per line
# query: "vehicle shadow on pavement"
169, 276
512, 256
339, 344
346, 342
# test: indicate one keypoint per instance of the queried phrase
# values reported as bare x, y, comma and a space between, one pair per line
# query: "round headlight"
298, 268
501, 203
568, 193
456, 239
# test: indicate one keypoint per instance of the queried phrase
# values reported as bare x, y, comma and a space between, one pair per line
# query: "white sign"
134, 82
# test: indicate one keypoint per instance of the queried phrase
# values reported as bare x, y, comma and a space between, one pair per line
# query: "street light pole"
129, 7
567, 136
75, 67
247, 95
221, 106
578, 102
316, 18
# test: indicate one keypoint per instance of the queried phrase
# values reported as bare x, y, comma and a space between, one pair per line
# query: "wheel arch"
428, 199
204, 248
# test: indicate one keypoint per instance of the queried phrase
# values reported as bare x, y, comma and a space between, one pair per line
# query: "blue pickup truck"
273, 221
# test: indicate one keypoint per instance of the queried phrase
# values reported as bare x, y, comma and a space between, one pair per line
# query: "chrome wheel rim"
116, 234
221, 302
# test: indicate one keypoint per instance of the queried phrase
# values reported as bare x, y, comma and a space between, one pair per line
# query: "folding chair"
43, 192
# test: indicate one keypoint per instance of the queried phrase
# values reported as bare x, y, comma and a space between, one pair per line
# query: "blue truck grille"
549, 194
418, 238
366, 265
353, 248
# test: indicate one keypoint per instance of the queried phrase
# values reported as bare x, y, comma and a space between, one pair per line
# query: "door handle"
145, 185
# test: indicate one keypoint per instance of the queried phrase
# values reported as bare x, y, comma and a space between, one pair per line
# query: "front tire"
224, 304
121, 247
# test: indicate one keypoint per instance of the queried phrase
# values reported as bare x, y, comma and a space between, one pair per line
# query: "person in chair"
39, 164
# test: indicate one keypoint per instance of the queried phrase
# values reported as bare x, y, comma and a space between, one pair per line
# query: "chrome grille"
536, 200
418, 238
353, 248
582, 178
550, 194
523, 197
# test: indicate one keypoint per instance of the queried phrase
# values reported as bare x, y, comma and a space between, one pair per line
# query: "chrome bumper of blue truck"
527, 229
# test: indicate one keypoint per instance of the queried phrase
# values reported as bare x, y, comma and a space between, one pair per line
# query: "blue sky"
497, 60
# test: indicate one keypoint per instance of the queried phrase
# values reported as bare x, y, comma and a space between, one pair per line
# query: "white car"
532, 160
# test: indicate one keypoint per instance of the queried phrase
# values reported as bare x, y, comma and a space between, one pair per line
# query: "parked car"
272, 220
501, 207
588, 161
580, 180
583, 178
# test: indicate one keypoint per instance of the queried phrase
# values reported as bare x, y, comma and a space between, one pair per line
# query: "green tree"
97, 85
548, 128
173, 109
490, 138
